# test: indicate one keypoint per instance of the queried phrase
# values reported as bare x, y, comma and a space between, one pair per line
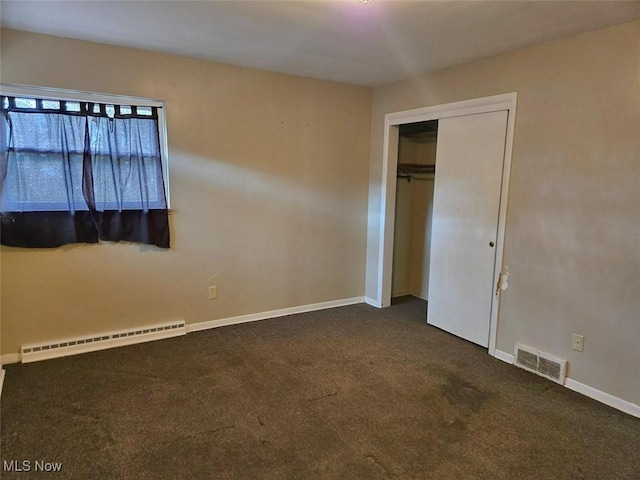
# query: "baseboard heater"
74, 346
541, 363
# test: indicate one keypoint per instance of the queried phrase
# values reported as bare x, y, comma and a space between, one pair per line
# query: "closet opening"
415, 177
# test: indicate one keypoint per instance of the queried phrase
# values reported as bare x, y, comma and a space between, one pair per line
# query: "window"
80, 167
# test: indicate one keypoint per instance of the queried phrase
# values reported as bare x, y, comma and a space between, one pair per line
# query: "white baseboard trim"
600, 396
401, 293
505, 357
421, 295
8, 358
615, 402
254, 317
147, 337
372, 301
607, 399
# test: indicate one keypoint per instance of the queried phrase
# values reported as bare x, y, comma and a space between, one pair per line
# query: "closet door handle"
491, 244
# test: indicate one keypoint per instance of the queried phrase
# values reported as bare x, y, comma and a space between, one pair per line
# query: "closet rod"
427, 177
415, 168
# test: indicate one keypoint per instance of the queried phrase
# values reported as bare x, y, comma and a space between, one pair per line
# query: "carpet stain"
463, 394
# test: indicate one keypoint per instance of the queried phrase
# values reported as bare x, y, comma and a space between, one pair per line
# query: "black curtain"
79, 172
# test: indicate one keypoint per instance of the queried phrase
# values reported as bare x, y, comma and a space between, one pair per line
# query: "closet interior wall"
414, 203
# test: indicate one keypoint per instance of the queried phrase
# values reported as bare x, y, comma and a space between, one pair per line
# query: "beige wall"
269, 181
573, 223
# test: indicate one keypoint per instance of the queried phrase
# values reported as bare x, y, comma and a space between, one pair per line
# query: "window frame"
48, 93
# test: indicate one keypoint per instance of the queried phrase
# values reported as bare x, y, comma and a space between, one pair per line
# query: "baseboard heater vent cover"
74, 346
541, 363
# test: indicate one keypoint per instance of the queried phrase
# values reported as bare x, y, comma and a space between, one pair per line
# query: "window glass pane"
144, 111
72, 106
44, 167
111, 110
126, 152
39, 181
25, 102
125, 110
52, 104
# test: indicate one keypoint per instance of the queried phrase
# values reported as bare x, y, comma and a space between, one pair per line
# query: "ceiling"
346, 41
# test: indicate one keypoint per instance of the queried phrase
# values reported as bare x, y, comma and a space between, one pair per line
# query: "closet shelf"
415, 169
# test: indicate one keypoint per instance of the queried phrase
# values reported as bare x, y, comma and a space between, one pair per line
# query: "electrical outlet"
578, 342
213, 293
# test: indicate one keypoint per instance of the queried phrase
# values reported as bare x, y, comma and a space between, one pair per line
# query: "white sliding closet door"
470, 158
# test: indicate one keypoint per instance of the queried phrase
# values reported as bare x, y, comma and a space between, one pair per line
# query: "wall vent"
541, 363
74, 346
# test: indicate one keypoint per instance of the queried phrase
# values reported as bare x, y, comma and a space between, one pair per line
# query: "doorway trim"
392, 121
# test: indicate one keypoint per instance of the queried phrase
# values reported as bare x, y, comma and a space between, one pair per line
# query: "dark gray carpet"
347, 393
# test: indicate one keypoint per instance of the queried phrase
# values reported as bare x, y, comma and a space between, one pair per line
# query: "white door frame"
388, 191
